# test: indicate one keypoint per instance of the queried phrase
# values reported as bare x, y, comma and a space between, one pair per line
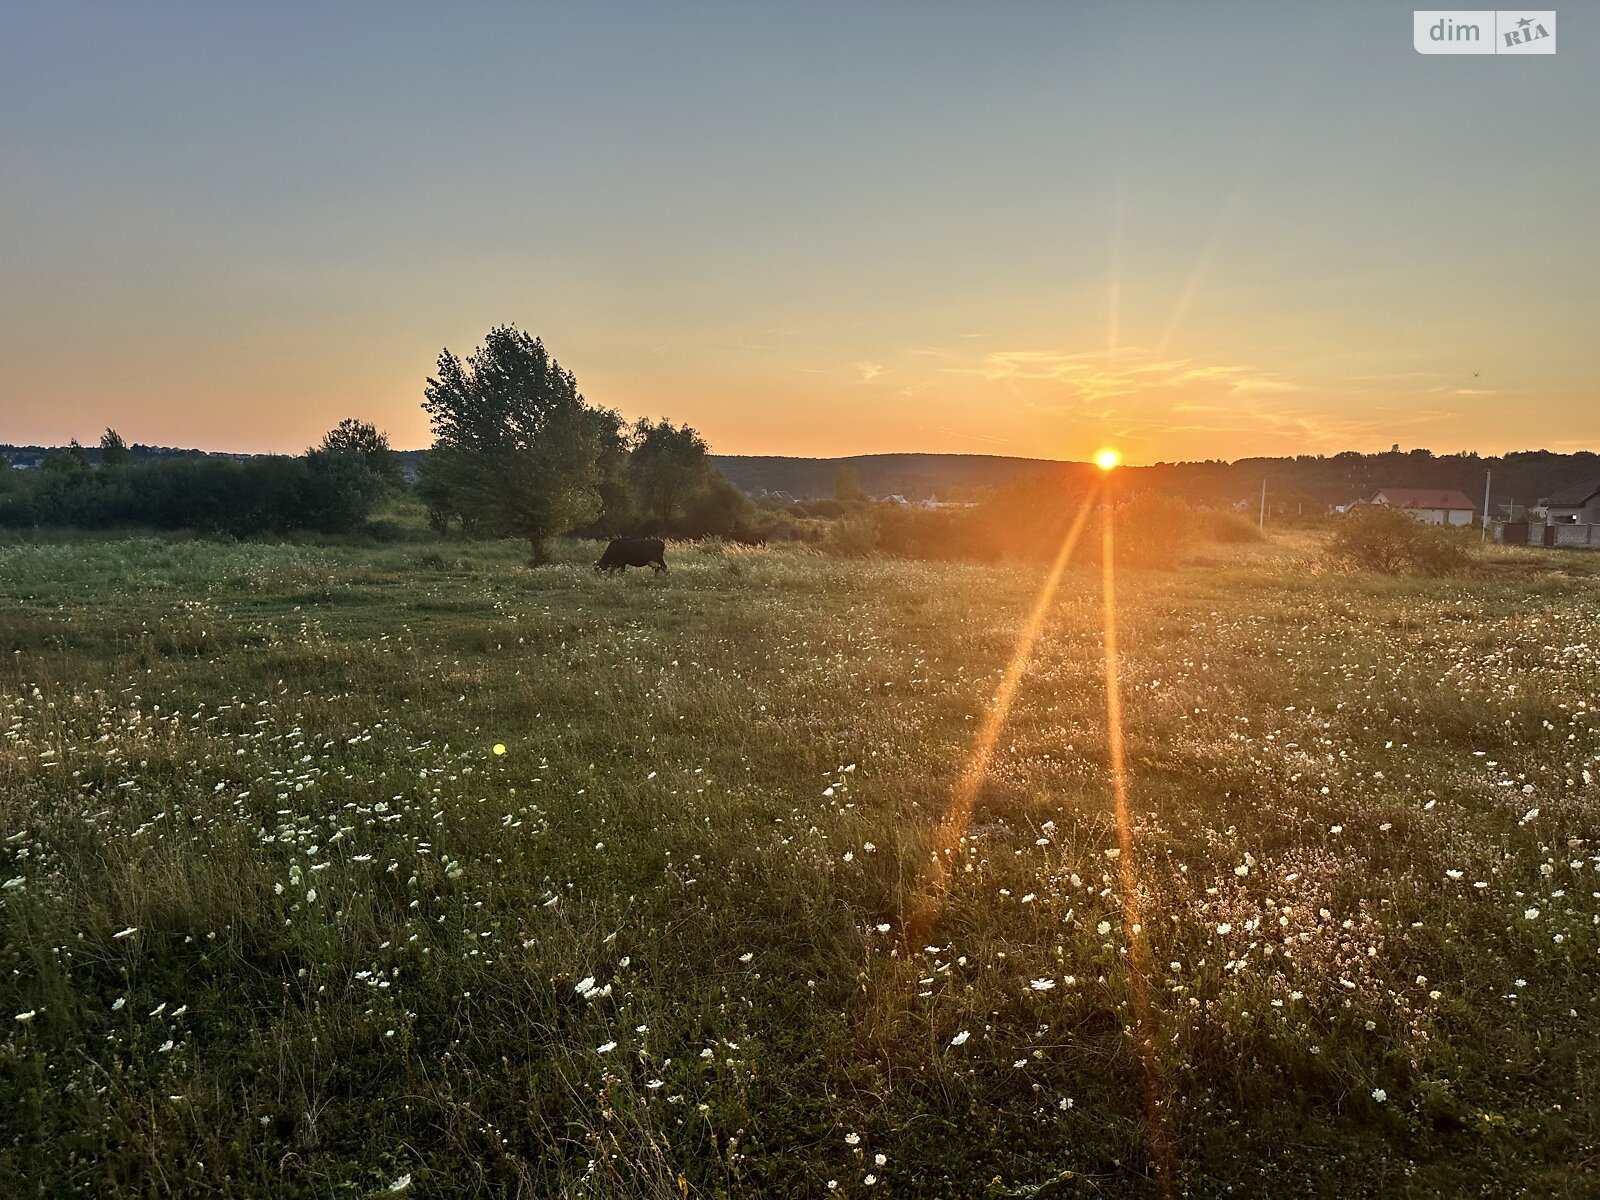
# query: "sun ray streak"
1133, 922
922, 909
925, 903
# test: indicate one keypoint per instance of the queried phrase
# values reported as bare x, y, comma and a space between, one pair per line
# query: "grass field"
277, 920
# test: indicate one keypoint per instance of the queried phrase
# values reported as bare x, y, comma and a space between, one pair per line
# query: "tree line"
517, 452
332, 488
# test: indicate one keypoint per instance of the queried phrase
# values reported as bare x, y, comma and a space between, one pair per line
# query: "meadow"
277, 919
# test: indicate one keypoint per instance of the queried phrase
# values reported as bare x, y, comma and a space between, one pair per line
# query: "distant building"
1431, 506
1576, 505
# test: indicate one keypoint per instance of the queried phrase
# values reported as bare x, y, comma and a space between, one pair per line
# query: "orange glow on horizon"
1107, 459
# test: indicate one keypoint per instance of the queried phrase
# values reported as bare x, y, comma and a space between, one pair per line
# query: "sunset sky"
1189, 230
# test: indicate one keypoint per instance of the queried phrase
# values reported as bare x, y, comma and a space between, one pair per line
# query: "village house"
1432, 506
1576, 505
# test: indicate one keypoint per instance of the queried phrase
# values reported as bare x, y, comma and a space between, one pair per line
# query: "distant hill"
1307, 481
914, 476
1523, 477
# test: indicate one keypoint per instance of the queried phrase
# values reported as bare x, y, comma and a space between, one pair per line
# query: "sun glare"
1107, 459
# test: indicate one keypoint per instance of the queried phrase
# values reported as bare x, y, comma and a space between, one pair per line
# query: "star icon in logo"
1525, 22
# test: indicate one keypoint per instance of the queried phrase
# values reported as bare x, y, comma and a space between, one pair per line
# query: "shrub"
903, 532
1213, 525
1388, 541
1153, 530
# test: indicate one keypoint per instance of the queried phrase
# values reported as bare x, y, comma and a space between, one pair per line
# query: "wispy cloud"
1094, 377
1142, 397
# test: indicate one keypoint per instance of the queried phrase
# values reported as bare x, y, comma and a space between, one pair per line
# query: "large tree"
366, 442
516, 450
676, 490
668, 468
66, 461
113, 450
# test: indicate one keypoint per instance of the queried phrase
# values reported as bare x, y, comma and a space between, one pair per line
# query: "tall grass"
275, 918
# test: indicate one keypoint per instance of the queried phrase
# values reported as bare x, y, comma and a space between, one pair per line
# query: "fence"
1524, 533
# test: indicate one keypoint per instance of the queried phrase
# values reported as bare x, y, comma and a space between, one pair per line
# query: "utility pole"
1261, 521
1485, 536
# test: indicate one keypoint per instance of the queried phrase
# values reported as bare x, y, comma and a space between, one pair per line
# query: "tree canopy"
113, 450
367, 443
516, 450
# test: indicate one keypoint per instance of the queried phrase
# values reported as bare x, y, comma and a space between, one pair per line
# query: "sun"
1107, 459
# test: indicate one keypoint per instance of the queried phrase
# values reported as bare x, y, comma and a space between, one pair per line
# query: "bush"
1213, 525
1386, 540
1152, 529
902, 532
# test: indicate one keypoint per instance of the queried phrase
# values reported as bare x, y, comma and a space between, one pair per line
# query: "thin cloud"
1088, 377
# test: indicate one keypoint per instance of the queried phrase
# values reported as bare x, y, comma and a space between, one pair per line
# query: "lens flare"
923, 907
1107, 459
1145, 1017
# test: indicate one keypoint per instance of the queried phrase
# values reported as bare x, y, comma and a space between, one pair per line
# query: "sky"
1187, 230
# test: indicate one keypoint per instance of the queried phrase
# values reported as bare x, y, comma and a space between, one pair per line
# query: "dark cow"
622, 553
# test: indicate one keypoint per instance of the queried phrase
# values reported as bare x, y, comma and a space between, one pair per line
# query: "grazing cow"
622, 553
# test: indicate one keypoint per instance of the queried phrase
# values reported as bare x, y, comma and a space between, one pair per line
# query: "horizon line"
93, 446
